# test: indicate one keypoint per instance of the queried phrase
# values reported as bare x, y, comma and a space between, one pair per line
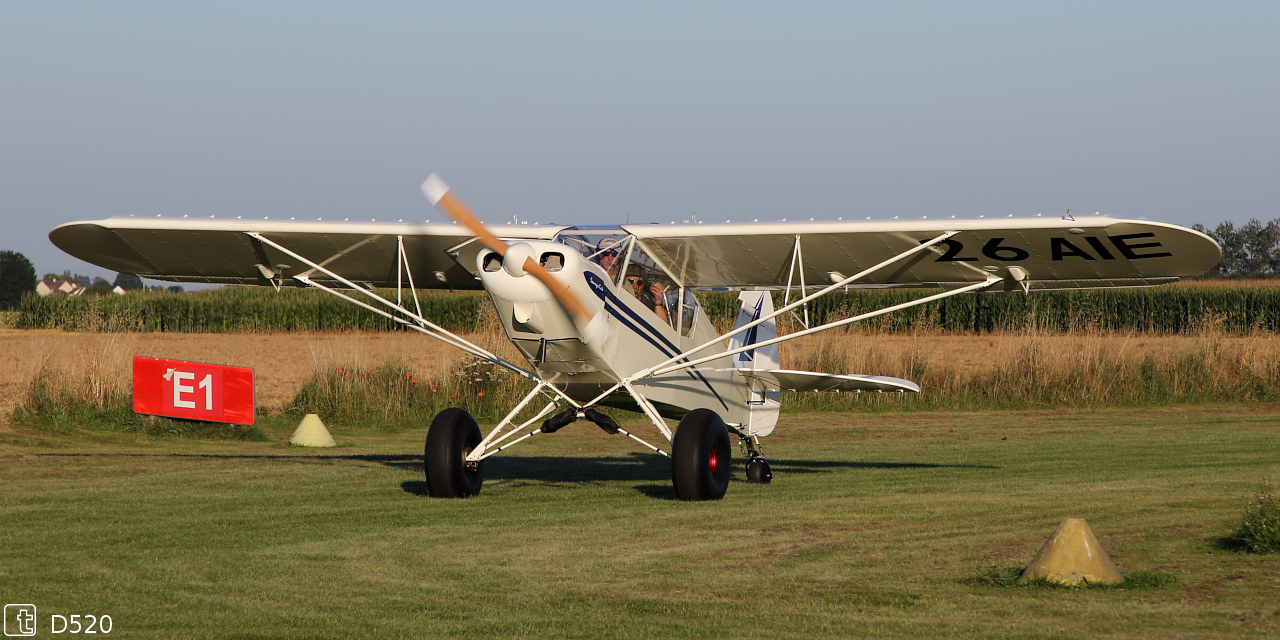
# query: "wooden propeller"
444, 199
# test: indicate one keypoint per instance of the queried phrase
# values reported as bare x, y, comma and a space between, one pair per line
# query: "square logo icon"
19, 619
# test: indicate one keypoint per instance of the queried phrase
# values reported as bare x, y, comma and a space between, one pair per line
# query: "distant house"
60, 288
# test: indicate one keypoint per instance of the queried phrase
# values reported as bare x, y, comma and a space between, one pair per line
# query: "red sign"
192, 390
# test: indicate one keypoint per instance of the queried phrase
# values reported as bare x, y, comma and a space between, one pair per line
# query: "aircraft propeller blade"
444, 199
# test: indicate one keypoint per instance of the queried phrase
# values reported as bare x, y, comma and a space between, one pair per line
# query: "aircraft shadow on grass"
567, 471
652, 471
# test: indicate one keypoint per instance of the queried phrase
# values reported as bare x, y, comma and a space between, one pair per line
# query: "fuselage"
627, 332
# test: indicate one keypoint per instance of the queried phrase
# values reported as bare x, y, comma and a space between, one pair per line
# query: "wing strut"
648, 409
419, 323
797, 257
804, 300
829, 325
402, 264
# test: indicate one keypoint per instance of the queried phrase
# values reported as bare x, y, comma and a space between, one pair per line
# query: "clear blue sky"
598, 112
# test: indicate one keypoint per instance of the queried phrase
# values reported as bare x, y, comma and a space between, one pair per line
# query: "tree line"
1249, 251
18, 278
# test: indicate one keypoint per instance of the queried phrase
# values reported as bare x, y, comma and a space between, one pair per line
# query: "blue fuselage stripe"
629, 318
750, 338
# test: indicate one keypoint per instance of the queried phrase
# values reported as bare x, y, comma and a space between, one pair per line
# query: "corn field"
1178, 309
1170, 309
235, 309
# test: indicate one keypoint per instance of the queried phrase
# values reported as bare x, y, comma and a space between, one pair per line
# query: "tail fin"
755, 305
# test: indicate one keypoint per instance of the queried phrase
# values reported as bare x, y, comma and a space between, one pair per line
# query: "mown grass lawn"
875, 525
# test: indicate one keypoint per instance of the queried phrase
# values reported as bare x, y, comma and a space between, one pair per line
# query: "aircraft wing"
813, 381
222, 251
1092, 251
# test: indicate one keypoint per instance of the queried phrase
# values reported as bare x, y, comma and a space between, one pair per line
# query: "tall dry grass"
95, 390
390, 395
96, 394
1029, 367
90, 386
1011, 370
1039, 369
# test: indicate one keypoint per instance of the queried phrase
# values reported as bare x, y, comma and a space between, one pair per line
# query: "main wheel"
452, 435
701, 456
758, 471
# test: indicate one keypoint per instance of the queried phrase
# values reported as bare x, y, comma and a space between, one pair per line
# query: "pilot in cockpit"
607, 256
650, 294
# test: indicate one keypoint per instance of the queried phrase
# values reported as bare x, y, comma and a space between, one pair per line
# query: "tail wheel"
701, 456
453, 434
758, 471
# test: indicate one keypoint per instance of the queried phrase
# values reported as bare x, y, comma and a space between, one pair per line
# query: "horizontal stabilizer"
813, 381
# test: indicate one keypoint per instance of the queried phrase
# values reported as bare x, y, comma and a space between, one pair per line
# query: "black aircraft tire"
452, 435
758, 472
701, 457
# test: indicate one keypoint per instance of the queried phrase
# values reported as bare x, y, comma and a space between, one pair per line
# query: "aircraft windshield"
635, 273
606, 247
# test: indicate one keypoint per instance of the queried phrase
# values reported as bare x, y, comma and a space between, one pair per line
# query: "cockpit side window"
688, 312
635, 273
649, 284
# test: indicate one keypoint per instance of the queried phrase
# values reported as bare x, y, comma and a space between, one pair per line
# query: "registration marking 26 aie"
1061, 248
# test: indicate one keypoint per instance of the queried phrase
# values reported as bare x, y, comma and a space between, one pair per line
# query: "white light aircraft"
606, 316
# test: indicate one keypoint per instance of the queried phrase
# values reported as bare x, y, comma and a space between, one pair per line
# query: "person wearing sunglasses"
607, 256
650, 296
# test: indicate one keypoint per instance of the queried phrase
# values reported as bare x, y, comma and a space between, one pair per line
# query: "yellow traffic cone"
1072, 554
312, 433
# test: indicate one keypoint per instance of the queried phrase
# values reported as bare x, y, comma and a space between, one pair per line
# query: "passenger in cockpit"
649, 294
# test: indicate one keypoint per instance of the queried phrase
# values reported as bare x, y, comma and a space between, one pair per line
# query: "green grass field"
875, 525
